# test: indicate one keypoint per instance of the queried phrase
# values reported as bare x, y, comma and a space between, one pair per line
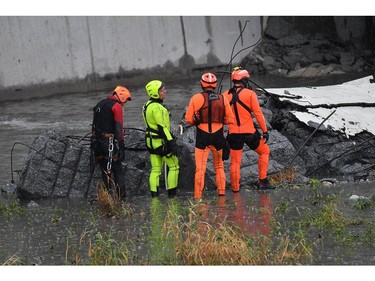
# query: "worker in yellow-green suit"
160, 142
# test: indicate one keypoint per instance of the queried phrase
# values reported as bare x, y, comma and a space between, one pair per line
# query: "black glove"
94, 144
173, 148
197, 119
226, 150
121, 154
265, 136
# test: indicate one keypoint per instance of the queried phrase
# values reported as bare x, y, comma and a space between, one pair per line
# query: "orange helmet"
208, 80
123, 94
239, 74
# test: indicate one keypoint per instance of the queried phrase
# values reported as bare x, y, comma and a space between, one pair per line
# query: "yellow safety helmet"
122, 94
153, 87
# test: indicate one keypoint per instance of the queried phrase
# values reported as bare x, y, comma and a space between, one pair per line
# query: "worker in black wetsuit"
107, 141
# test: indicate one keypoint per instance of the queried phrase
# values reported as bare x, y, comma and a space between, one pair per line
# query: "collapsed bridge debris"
344, 144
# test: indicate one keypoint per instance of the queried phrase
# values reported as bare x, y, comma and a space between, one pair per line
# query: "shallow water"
56, 231
50, 233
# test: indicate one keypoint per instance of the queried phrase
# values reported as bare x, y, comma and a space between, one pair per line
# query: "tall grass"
198, 242
13, 260
108, 251
110, 203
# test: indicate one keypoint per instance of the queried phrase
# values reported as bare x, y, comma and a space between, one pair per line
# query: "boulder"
60, 166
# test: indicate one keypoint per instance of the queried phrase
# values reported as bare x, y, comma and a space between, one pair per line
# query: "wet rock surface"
313, 46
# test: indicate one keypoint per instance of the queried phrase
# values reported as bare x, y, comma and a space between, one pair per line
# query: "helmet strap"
245, 82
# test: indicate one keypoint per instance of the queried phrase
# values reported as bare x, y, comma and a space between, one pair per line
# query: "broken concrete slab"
353, 102
356, 92
331, 126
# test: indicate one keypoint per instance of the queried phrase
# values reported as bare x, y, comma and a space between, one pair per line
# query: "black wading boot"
264, 184
155, 194
172, 192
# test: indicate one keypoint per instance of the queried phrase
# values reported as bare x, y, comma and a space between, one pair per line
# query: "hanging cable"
232, 57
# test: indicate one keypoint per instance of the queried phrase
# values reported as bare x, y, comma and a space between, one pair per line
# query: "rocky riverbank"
288, 50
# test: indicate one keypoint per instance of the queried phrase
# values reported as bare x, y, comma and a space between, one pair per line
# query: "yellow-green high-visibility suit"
161, 145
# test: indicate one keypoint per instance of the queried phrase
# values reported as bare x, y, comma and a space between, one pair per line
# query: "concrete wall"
44, 49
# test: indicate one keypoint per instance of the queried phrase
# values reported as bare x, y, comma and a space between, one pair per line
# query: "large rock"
58, 166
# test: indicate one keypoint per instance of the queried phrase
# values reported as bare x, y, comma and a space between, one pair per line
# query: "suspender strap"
234, 102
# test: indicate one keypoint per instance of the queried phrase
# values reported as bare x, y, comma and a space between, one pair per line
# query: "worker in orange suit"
209, 112
244, 103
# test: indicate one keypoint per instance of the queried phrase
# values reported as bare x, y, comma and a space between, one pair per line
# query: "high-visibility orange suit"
244, 103
209, 111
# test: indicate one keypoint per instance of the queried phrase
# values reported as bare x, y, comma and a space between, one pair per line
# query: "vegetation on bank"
194, 235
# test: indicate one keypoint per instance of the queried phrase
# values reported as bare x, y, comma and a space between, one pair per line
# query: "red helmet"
123, 94
208, 80
239, 74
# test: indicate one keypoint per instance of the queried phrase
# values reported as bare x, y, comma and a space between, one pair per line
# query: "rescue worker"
209, 111
160, 142
107, 141
244, 103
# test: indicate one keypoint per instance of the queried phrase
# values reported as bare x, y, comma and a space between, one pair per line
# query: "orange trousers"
235, 164
201, 156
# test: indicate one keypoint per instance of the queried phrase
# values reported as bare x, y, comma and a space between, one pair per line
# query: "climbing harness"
154, 134
234, 102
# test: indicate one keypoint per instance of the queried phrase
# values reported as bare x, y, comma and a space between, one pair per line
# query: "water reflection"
253, 214
162, 246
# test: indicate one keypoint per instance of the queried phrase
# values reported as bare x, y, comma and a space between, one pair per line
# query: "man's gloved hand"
226, 150
266, 137
197, 119
121, 154
173, 148
94, 144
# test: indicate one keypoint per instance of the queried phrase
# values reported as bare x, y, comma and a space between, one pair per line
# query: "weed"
283, 207
362, 203
10, 209
285, 176
105, 250
102, 249
111, 205
368, 236
13, 260
330, 216
317, 197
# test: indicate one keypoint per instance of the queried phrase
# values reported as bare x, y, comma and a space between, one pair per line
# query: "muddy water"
54, 230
